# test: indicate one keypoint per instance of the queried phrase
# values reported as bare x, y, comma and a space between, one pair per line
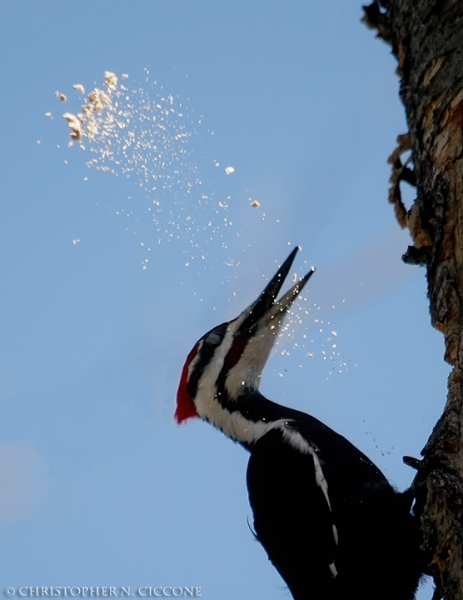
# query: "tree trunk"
426, 37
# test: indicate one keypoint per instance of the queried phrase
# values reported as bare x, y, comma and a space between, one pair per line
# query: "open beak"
267, 307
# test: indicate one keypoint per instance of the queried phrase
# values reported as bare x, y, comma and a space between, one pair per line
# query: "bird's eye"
215, 337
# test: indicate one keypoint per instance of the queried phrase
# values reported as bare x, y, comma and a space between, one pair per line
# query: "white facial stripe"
222, 349
250, 365
212, 370
192, 365
207, 405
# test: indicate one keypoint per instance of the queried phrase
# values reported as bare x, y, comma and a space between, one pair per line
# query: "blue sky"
99, 486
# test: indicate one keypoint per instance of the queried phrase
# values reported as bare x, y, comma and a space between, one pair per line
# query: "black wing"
329, 520
292, 514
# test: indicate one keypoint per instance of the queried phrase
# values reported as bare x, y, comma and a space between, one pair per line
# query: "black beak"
266, 303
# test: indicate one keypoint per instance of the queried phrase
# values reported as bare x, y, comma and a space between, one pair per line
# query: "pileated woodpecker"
328, 518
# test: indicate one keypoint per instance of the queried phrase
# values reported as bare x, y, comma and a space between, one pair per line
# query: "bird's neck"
244, 419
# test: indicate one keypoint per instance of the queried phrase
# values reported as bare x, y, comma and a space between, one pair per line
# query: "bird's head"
226, 363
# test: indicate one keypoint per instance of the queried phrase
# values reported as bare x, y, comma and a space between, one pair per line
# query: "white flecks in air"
315, 343
75, 126
110, 80
61, 97
79, 88
144, 134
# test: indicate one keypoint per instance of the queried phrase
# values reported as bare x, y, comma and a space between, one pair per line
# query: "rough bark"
426, 37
